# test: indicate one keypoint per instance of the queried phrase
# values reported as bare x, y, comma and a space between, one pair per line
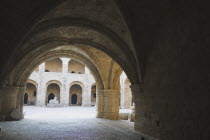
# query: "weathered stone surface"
15, 114
170, 56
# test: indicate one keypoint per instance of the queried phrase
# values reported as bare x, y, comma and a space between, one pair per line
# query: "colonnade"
64, 80
107, 100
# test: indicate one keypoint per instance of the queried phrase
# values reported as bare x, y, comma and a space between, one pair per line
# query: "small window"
79, 73
72, 72
46, 70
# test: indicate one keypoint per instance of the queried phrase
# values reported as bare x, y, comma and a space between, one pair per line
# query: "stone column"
137, 90
41, 89
111, 104
41, 94
64, 95
86, 95
99, 104
9, 100
87, 70
20, 98
65, 64
42, 68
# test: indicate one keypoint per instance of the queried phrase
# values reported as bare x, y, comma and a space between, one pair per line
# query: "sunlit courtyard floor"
67, 123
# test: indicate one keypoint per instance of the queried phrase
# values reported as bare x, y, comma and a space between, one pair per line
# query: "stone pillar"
137, 90
87, 70
99, 104
65, 64
64, 93
20, 98
9, 98
111, 104
41, 89
42, 68
41, 94
86, 95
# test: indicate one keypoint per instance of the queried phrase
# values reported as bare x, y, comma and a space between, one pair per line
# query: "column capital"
65, 60
87, 70
42, 67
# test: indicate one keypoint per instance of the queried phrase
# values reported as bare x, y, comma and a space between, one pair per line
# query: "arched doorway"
51, 96
74, 99
53, 90
31, 90
75, 93
25, 98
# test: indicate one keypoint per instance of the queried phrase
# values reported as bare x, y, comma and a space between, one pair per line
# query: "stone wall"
174, 103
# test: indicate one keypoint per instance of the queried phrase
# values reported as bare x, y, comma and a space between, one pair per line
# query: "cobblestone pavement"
68, 123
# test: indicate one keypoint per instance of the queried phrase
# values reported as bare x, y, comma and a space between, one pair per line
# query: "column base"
111, 116
99, 115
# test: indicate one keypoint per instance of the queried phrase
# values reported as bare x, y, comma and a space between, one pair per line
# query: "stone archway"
53, 90
57, 36
31, 89
76, 93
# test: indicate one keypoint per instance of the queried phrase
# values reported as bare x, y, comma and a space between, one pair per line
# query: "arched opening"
126, 99
97, 44
53, 90
94, 46
31, 89
74, 99
75, 93
53, 65
25, 98
51, 96
76, 67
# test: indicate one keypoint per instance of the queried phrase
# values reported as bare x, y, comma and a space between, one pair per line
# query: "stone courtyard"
67, 123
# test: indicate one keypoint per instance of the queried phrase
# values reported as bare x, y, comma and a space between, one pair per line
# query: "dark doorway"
51, 97
25, 98
74, 99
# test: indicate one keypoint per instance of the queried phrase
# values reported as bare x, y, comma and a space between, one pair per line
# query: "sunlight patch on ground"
42, 113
